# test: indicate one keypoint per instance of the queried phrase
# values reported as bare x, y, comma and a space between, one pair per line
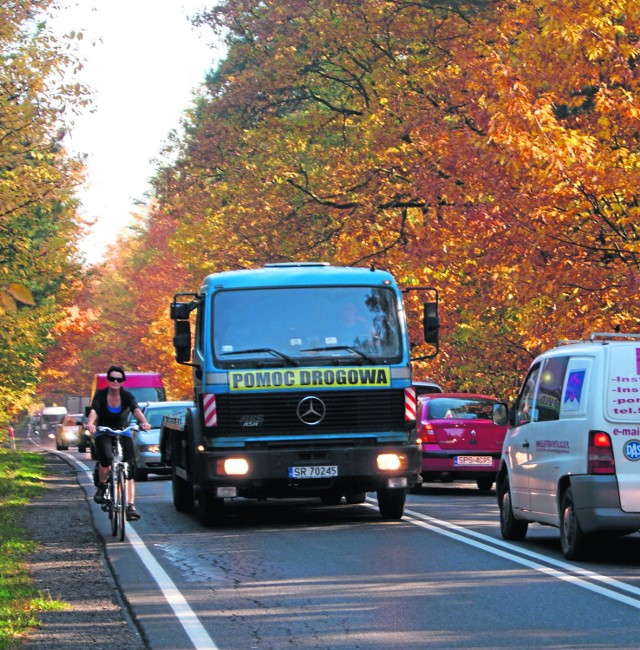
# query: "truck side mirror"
182, 341
180, 310
431, 323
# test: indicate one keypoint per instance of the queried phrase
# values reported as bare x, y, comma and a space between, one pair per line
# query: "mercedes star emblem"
311, 410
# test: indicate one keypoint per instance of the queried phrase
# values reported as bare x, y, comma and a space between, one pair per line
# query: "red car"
459, 439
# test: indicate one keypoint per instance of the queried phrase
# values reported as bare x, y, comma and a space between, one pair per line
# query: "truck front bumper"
311, 471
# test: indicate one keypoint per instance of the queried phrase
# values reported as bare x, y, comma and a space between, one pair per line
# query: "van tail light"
425, 433
600, 454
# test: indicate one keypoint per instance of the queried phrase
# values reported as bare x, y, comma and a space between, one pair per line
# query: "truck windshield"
303, 326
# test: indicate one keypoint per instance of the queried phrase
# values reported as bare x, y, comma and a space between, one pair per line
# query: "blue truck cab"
302, 388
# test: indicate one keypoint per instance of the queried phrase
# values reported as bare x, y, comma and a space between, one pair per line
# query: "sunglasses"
118, 379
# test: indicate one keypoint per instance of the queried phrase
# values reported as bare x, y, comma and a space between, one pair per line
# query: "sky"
143, 62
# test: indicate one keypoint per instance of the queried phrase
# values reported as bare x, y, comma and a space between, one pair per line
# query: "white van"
571, 456
50, 418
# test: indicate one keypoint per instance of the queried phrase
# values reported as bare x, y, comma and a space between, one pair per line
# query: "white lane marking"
178, 603
567, 572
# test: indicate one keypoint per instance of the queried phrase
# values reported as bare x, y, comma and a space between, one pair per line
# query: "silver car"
146, 444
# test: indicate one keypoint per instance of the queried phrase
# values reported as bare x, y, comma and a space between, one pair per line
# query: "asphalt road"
301, 575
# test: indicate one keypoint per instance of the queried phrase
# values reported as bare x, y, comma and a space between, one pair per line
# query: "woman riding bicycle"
112, 407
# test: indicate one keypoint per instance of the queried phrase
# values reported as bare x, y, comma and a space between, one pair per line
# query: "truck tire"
210, 509
182, 492
391, 502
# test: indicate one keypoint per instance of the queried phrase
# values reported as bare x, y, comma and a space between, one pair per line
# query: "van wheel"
572, 540
511, 528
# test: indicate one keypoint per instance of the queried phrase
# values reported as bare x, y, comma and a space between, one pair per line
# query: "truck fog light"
233, 466
391, 462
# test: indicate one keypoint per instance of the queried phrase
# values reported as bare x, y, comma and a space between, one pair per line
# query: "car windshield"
301, 326
460, 408
52, 418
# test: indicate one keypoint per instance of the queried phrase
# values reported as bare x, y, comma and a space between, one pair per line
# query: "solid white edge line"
188, 619
178, 603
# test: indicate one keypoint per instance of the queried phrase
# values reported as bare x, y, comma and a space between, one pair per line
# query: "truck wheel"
510, 527
210, 509
391, 502
182, 493
572, 540
82, 448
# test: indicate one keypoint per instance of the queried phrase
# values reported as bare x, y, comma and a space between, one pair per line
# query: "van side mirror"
500, 414
182, 341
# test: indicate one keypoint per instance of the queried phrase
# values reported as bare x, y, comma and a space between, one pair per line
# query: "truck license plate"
473, 460
313, 471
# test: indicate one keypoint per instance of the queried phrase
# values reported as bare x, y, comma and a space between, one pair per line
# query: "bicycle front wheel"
122, 501
114, 504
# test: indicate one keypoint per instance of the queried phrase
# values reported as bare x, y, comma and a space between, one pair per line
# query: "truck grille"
321, 413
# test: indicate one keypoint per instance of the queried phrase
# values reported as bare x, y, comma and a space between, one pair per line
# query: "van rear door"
622, 410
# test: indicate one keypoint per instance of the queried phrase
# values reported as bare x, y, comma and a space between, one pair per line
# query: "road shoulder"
70, 566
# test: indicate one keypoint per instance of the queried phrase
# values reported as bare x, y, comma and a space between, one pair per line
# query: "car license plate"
473, 460
313, 471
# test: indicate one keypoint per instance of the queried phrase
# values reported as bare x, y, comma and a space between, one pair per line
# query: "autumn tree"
485, 148
39, 227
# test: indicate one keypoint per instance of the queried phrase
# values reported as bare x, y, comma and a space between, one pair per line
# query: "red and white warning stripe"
410, 404
210, 410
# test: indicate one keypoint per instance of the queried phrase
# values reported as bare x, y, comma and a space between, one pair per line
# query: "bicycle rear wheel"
113, 505
122, 501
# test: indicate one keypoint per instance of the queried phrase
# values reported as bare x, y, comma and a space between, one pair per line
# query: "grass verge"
21, 476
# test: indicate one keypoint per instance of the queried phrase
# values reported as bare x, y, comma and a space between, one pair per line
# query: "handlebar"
132, 427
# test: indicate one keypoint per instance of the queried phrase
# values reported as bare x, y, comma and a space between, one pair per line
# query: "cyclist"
112, 407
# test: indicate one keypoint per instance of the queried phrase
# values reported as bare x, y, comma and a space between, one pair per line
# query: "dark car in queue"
146, 444
426, 387
84, 439
459, 440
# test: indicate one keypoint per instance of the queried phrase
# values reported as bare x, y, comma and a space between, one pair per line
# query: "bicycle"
115, 498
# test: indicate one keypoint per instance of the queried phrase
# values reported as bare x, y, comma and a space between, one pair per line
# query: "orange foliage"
488, 148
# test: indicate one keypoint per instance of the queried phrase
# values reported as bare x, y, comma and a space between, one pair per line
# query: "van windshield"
307, 325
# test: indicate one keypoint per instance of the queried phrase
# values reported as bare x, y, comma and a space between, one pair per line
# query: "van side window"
524, 405
550, 391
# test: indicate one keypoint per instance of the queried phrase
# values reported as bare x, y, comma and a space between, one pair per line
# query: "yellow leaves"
13, 294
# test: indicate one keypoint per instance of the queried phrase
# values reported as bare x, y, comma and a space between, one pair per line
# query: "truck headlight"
391, 462
232, 466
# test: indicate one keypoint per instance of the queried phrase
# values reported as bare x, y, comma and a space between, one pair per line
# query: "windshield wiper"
282, 355
342, 347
